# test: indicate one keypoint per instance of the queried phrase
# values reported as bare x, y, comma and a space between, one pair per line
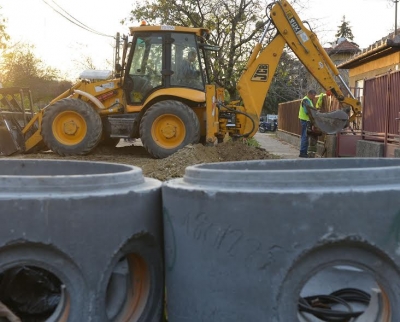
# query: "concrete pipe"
246, 241
83, 238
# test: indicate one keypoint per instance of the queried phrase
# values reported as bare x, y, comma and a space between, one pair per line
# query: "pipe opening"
32, 294
343, 293
128, 289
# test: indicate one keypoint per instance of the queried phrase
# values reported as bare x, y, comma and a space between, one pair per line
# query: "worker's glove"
320, 101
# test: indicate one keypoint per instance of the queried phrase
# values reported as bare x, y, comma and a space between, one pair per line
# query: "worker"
188, 70
314, 132
304, 118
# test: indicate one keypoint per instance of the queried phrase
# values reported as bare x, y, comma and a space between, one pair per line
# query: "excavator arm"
306, 46
256, 79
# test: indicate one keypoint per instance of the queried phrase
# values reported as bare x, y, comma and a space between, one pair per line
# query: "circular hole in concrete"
33, 294
343, 293
128, 288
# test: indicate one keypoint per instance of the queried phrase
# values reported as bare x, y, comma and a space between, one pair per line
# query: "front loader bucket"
14, 116
8, 142
329, 123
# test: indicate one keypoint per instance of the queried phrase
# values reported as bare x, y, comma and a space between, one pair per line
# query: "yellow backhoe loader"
153, 99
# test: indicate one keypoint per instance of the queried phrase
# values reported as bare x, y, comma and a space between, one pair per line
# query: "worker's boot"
312, 146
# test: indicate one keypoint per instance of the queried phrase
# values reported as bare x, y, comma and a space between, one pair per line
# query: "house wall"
374, 68
340, 57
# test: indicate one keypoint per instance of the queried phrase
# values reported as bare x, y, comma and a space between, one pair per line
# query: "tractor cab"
164, 57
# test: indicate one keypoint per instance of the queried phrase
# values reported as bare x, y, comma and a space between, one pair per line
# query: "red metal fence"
381, 111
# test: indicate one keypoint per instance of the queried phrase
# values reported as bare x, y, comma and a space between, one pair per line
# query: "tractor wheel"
71, 127
168, 126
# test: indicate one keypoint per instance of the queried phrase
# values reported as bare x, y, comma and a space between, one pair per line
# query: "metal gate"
380, 116
381, 111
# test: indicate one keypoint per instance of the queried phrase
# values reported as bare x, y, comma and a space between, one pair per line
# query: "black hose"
320, 305
220, 104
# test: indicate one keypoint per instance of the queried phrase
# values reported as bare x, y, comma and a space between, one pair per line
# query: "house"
379, 58
340, 52
374, 73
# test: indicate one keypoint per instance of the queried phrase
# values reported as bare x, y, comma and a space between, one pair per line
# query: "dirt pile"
174, 166
171, 167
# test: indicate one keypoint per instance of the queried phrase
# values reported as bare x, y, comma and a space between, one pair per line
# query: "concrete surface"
251, 241
369, 149
272, 144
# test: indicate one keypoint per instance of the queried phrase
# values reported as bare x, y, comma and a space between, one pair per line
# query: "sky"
370, 20
58, 42
61, 44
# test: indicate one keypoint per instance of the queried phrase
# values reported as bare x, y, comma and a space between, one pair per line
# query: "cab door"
144, 74
182, 45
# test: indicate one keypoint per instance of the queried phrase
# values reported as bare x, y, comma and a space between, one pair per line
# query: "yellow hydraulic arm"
256, 79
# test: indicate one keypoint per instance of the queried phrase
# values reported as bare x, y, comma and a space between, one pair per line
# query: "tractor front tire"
168, 126
71, 127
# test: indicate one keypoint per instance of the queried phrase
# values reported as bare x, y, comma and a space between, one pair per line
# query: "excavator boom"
255, 81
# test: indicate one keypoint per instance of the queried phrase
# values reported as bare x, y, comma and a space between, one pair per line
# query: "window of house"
359, 90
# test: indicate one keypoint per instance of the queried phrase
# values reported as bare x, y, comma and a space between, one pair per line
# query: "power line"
74, 20
85, 26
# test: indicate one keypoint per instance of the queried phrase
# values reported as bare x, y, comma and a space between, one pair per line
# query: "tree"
21, 68
235, 26
289, 83
86, 61
4, 37
344, 30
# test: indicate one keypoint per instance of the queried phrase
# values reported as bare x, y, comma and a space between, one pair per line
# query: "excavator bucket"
330, 123
13, 118
8, 144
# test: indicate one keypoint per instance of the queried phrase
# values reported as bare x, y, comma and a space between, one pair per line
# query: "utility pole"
395, 17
